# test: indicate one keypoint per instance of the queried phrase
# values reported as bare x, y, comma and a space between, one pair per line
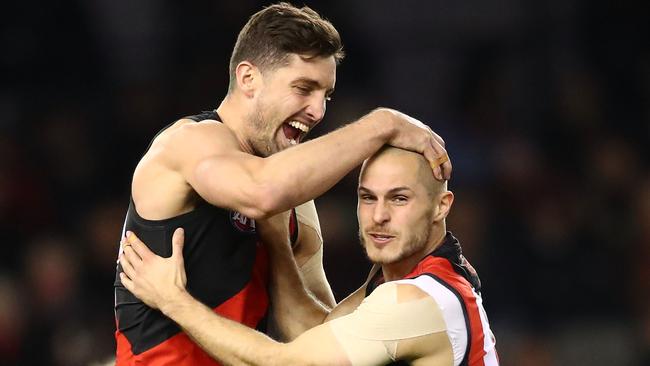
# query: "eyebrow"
392, 191
314, 84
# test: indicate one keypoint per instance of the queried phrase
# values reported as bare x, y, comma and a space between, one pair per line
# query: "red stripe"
247, 307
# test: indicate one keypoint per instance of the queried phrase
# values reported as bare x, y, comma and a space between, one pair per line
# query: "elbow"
265, 202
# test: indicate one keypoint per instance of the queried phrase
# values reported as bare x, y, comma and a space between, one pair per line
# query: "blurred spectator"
13, 320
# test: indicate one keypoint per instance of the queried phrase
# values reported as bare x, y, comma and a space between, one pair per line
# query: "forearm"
310, 169
315, 280
223, 339
295, 310
309, 254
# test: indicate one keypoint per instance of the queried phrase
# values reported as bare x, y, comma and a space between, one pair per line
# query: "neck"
230, 111
398, 270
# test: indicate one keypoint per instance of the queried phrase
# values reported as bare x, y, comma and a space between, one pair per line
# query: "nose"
316, 107
380, 213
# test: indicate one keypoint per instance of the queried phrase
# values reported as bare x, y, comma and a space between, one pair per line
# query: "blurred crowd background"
544, 106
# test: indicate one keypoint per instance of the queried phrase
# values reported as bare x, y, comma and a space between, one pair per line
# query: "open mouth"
380, 238
294, 131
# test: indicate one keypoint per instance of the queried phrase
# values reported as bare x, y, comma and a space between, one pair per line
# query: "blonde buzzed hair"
424, 172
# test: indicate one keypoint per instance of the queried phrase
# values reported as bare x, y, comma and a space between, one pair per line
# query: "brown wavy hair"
275, 32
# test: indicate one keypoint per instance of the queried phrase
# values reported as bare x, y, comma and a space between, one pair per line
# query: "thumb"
178, 240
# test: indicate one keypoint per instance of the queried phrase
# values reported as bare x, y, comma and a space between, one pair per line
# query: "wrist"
383, 123
175, 304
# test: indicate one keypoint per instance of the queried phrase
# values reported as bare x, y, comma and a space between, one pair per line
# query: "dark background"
544, 106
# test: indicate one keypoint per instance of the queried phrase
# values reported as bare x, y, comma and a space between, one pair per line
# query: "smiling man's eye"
303, 89
366, 197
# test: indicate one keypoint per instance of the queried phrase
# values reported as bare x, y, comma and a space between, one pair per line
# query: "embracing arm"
160, 283
392, 315
294, 308
233, 343
300, 294
260, 187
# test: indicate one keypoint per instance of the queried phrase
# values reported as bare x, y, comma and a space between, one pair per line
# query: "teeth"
293, 142
380, 236
301, 126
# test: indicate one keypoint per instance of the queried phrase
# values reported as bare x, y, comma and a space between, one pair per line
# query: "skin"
310, 81
393, 199
187, 161
396, 215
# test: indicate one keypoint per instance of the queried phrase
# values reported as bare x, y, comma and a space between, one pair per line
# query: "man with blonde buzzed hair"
421, 303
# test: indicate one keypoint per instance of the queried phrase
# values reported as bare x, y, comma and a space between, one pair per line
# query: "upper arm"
395, 322
209, 158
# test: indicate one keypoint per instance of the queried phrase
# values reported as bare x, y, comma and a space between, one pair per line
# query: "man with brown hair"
217, 172
420, 304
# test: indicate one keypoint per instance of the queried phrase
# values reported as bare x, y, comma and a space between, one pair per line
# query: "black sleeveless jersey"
226, 270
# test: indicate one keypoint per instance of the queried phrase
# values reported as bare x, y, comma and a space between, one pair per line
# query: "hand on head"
415, 136
153, 279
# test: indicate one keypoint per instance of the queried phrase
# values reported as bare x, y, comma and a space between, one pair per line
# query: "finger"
126, 281
438, 146
438, 139
430, 155
127, 267
178, 240
437, 172
131, 256
446, 169
138, 246
439, 164
442, 160
123, 244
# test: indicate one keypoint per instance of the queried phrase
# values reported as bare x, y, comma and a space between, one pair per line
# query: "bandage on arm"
309, 254
374, 333
300, 298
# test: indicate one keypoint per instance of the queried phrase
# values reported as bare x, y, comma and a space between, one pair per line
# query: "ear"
248, 78
442, 205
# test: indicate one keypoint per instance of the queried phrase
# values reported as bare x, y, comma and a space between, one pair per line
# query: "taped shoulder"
393, 312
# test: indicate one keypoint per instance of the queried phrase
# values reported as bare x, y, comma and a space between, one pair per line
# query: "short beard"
259, 142
417, 242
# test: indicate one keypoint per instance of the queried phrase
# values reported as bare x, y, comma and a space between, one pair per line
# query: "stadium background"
544, 106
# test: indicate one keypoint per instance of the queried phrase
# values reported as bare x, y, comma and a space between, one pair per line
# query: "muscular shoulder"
186, 141
162, 170
205, 137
